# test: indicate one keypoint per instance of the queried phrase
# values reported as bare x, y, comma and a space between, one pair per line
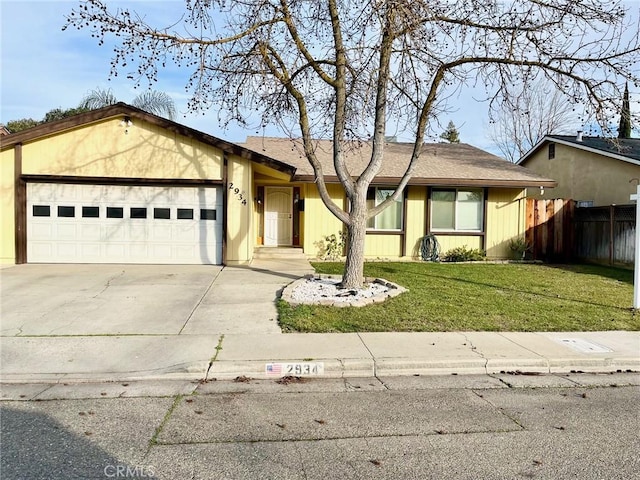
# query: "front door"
278, 216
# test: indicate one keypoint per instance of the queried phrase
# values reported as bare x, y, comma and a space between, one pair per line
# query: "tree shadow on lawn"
389, 269
620, 274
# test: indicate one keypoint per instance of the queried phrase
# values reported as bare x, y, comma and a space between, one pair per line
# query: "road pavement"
501, 426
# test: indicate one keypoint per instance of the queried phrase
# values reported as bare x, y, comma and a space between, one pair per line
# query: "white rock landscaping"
326, 290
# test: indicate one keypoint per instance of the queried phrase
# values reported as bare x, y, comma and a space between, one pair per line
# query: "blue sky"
43, 68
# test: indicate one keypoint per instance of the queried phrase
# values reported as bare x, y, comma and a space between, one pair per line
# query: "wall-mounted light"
541, 190
126, 123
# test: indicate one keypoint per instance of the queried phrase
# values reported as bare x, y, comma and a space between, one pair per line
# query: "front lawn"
480, 297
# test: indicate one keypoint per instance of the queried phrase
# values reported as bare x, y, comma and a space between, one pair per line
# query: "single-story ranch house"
119, 185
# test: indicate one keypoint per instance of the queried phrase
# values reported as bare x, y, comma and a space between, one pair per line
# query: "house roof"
121, 109
624, 149
439, 164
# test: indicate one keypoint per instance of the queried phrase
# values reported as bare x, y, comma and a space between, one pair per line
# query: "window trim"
455, 230
403, 211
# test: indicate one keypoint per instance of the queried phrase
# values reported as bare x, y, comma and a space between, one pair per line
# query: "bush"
463, 254
331, 246
519, 247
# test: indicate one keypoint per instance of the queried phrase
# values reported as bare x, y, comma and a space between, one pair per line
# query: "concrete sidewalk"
58, 359
232, 331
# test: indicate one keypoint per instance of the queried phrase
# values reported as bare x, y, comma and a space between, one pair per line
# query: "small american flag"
274, 369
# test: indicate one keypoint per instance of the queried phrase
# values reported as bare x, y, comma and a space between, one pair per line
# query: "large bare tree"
519, 121
347, 70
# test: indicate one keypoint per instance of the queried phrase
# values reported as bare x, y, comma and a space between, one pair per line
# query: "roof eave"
449, 182
93, 116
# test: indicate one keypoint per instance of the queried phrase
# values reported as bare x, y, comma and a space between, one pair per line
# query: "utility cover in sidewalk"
583, 346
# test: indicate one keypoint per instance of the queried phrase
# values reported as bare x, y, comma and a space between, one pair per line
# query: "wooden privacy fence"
549, 229
606, 234
557, 231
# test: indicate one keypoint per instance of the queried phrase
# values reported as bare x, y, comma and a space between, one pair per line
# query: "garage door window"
90, 212
162, 213
138, 212
41, 211
185, 214
67, 212
115, 212
207, 214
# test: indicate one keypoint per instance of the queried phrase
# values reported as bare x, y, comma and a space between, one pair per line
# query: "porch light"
126, 123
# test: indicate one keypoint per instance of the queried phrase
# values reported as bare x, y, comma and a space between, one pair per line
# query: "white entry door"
68, 223
278, 216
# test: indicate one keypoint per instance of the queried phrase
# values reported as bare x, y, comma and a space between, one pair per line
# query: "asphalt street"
442, 427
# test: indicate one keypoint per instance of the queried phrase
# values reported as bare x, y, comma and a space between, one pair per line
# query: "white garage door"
123, 224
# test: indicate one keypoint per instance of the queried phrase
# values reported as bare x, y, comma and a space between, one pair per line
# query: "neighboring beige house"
119, 185
593, 171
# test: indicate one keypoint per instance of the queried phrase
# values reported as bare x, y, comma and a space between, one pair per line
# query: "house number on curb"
296, 368
240, 195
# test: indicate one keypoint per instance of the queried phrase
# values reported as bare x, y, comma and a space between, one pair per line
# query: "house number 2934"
241, 196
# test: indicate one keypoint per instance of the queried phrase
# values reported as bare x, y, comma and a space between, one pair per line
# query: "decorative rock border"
391, 290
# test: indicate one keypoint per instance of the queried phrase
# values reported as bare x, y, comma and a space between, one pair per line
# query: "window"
162, 213
457, 210
185, 214
207, 214
41, 211
552, 151
391, 217
67, 212
138, 212
115, 212
90, 212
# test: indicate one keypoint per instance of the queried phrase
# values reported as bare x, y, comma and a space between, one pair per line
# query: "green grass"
480, 297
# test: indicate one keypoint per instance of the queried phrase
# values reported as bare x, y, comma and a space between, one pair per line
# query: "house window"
552, 151
391, 217
457, 210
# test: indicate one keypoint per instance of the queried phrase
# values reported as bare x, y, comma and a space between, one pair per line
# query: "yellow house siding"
7, 208
415, 221
584, 176
382, 246
240, 234
321, 222
505, 220
449, 242
105, 150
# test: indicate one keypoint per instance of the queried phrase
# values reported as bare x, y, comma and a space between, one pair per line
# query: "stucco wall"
105, 150
584, 175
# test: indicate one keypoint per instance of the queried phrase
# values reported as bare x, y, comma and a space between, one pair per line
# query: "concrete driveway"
66, 300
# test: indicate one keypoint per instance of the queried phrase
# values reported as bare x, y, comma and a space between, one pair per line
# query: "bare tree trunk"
353, 276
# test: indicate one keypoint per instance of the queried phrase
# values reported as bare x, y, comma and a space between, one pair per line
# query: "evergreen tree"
624, 130
451, 133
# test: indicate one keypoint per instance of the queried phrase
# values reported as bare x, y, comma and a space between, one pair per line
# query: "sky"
43, 67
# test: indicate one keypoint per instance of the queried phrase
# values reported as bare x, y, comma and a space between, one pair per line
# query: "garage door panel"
91, 232
90, 237
67, 231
